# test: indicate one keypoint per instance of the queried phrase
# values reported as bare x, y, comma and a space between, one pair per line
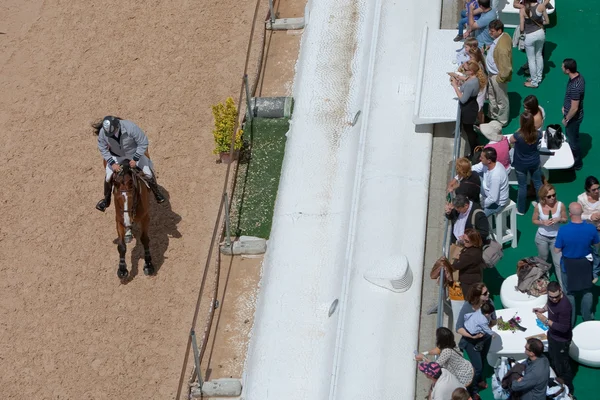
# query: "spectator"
576, 239
464, 18
469, 263
463, 215
573, 108
472, 52
479, 322
449, 356
467, 95
532, 26
560, 332
526, 158
532, 105
443, 382
548, 214
465, 182
480, 27
478, 295
533, 384
590, 204
493, 132
461, 394
499, 68
494, 182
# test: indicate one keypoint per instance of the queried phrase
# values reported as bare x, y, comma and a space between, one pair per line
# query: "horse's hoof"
148, 270
122, 273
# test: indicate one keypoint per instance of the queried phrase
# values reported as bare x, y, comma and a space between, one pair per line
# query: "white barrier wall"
350, 197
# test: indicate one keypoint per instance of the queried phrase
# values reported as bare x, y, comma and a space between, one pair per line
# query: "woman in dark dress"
469, 263
467, 98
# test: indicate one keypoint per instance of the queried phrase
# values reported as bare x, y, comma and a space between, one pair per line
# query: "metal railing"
218, 231
446, 242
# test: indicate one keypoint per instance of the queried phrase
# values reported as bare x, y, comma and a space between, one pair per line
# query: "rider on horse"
118, 140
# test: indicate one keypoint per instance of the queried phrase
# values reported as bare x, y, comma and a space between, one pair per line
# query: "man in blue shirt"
480, 27
575, 240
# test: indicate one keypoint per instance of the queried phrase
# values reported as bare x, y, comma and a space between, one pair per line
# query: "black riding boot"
105, 202
154, 187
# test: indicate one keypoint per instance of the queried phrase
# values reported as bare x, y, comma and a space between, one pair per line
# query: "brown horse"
130, 195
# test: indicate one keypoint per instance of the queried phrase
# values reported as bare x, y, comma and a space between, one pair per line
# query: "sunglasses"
551, 196
554, 297
486, 293
594, 189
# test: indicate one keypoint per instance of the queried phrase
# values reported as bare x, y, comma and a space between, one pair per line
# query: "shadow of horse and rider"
138, 216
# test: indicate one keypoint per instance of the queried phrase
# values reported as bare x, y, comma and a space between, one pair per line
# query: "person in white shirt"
443, 382
494, 182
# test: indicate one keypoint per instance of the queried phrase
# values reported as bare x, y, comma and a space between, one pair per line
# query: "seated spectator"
478, 295
464, 18
526, 159
443, 382
461, 394
494, 182
449, 356
533, 384
469, 263
590, 204
548, 215
532, 105
462, 213
479, 322
465, 182
493, 132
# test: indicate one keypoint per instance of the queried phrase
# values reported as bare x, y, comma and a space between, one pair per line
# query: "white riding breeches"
145, 164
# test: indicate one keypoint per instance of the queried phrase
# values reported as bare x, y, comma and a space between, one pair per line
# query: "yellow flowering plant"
225, 115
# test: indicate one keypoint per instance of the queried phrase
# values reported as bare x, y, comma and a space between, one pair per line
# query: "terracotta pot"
226, 158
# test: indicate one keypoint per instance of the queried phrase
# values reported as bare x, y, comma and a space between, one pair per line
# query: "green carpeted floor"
573, 33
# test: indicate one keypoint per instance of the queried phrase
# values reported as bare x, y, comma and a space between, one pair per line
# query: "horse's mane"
97, 125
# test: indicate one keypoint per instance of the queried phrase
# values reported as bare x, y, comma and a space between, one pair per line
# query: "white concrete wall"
349, 198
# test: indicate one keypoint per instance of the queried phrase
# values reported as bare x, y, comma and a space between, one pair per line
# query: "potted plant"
225, 115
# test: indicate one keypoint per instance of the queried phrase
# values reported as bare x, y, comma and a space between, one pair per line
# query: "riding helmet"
110, 125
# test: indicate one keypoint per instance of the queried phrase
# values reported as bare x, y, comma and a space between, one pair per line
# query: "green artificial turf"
258, 177
573, 33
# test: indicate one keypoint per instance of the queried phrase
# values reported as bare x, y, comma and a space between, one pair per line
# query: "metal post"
248, 105
196, 358
227, 228
272, 12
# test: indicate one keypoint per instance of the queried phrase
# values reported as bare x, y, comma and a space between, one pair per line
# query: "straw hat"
492, 131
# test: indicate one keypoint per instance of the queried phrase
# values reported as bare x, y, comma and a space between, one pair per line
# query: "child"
464, 14
479, 322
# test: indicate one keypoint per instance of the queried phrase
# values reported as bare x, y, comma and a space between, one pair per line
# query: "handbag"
440, 265
492, 252
554, 136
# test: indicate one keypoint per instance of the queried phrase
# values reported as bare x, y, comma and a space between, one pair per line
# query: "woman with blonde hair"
467, 95
526, 158
465, 182
548, 214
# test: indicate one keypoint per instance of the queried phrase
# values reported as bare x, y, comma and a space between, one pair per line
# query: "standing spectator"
532, 26
493, 132
469, 263
463, 215
499, 68
548, 214
533, 384
443, 382
464, 18
575, 240
467, 98
560, 332
532, 105
449, 356
472, 52
480, 27
573, 108
465, 182
478, 295
590, 204
494, 182
526, 158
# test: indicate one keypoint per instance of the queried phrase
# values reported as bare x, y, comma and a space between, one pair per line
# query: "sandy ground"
68, 328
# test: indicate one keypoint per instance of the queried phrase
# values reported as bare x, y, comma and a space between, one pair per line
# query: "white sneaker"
518, 213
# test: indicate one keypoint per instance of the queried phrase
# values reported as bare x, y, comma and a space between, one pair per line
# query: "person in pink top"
493, 132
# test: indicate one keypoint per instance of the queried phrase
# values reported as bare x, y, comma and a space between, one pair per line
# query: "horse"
130, 194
